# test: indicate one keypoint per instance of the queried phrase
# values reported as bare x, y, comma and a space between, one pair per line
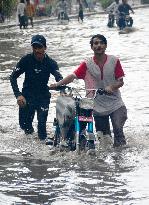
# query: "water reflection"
30, 172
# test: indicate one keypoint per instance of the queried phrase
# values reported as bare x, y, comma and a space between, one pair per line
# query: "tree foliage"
8, 6
105, 3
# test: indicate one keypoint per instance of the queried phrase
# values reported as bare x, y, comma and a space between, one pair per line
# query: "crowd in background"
25, 13
27, 9
44, 7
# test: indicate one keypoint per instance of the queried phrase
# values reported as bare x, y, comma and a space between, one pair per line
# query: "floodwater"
30, 172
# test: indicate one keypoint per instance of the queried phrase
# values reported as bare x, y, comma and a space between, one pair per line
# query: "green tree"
8, 6
105, 3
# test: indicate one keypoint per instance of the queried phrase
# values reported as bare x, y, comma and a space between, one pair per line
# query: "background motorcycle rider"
124, 9
113, 13
62, 10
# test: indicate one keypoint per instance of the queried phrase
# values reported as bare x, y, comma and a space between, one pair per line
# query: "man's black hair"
99, 36
117, 1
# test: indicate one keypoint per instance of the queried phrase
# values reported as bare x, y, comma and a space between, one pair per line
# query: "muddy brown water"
30, 173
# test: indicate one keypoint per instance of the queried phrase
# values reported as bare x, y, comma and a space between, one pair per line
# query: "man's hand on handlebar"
109, 89
57, 87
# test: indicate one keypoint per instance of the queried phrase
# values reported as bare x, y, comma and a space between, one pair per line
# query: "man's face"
98, 46
124, 1
38, 51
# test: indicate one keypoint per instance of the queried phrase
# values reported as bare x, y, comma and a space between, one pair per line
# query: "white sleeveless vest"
103, 104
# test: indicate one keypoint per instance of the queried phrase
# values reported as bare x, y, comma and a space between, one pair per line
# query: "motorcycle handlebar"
59, 88
99, 91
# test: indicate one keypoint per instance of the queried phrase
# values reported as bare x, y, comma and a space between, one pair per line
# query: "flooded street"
30, 173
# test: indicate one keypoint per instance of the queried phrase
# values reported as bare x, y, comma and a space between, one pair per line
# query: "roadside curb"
46, 19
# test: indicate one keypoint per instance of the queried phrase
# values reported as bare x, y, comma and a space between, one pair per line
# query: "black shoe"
29, 131
119, 144
49, 142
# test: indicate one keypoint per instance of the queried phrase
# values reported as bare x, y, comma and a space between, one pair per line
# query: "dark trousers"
2, 19
118, 119
26, 116
22, 21
80, 16
121, 22
102, 124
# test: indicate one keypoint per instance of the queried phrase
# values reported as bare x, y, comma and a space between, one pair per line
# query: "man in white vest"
103, 71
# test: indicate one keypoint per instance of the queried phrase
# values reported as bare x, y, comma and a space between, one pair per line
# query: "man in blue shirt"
37, 67
123, 10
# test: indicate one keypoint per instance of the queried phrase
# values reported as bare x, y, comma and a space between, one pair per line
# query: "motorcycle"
129, 21
63, 17
74, 121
